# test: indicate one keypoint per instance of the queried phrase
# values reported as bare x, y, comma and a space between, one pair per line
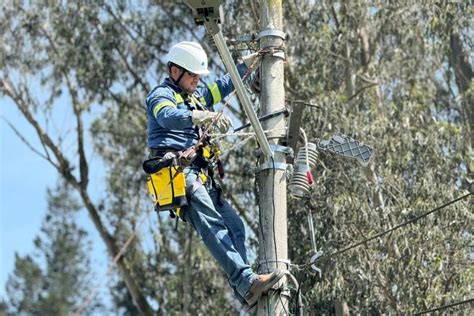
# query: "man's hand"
205, 117
249, 59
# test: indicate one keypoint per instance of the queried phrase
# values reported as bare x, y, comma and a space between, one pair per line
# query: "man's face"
189, 80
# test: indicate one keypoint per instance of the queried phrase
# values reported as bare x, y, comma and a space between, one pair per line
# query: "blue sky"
24, 179
25, 176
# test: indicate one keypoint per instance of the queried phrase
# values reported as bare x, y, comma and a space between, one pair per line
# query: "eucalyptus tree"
94, 63
397, 76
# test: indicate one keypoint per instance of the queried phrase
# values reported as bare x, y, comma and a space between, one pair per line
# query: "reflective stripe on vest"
179, 98
203, 101
161, 105
216, 94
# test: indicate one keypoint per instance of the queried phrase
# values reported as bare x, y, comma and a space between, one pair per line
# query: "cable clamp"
276, 149
271, 32
266, 262
270, 165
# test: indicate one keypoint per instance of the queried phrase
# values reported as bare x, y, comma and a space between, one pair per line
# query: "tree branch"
63, 165
27, 143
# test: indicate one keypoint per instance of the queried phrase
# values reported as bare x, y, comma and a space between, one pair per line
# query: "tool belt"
202, 159
166, 183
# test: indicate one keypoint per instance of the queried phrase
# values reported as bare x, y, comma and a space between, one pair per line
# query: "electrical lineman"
177, 110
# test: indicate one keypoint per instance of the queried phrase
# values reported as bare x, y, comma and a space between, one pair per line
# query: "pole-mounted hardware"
339, 144
271, 32
345, 146
204, 9
207, 12
277, 165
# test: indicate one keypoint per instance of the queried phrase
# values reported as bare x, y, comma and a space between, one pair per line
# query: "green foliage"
53, 282
381, 72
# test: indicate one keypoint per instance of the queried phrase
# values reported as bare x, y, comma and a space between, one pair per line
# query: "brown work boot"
261, 285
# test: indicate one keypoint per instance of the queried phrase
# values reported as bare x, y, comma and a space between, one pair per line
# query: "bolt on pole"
273, 235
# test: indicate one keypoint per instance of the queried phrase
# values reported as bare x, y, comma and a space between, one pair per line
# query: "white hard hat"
189, 55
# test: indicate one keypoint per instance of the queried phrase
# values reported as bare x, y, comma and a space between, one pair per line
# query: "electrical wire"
229, 134
261, 232
282, 303
299, 300
440, 308
190, 151
390, 230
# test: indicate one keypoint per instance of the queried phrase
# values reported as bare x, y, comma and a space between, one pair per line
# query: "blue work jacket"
168, 110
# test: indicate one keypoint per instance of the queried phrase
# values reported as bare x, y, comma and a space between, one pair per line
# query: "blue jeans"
222, 231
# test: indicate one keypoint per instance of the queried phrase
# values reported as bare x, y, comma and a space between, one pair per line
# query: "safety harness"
166, 181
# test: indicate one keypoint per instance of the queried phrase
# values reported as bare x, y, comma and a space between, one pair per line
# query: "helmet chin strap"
179, 79
176, 82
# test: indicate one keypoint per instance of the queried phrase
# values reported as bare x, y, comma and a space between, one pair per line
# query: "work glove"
205, 117
249, 59
169, 155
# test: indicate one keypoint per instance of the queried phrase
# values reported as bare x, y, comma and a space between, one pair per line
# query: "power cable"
303, 102
265, 117
471, 300
261, 232
391, 229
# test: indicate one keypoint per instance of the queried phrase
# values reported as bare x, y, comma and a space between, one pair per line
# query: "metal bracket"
266, 262
276, 149
205, 10
279, 54
285, 261
270, 165
271, 32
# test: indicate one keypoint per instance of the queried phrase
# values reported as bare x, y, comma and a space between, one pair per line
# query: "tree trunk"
64, 168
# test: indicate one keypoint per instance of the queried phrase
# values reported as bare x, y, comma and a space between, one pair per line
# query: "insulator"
299, 186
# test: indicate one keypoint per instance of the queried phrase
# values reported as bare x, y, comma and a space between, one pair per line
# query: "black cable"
471, 300
261, 230
392, 229
303, 102
298, 300
262, 118
282, 303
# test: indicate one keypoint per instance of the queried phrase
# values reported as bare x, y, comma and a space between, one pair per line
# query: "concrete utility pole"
273, 234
